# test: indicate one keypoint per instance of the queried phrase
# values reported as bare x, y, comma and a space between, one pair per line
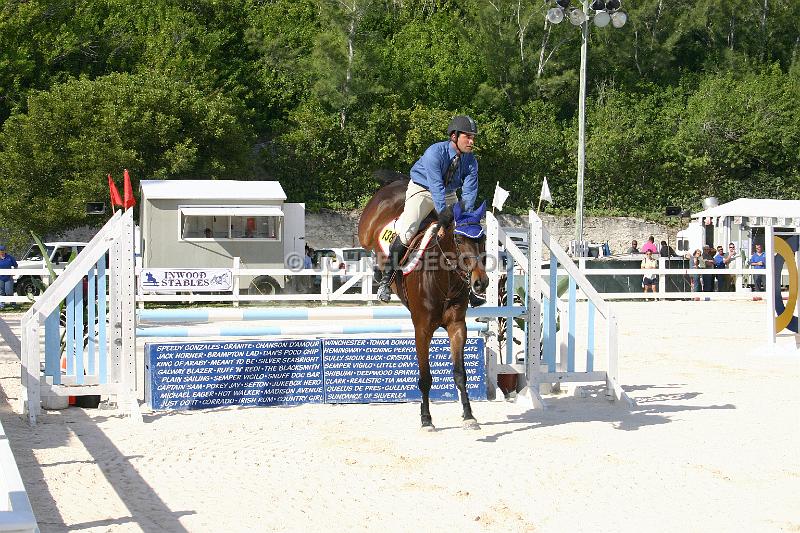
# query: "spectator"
308, 264
650, 245
649, 280
730, 258
758, 261
666, 250
719, 266
208, 233
634, 248
708, 263
696, 261
6, 280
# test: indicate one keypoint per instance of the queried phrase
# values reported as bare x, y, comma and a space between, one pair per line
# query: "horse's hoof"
470, 423
428, 428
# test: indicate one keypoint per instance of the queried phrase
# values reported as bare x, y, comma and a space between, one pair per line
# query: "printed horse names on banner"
197, 375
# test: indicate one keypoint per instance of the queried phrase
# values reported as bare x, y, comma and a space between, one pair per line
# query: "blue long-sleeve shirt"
430, 169
7, 262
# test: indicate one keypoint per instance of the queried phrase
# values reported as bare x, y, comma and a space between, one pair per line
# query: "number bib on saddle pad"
387, 235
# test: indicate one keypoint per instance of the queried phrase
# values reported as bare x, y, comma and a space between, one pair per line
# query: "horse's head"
470, 241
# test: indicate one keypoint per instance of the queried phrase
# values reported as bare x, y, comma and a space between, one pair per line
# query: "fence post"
534, 307
662, 279
492, 296
326, 280
128, 317
236, 280
366, 271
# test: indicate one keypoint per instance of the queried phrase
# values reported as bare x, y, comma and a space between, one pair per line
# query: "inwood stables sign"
186, 279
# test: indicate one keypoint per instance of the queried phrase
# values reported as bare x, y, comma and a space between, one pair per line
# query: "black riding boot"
396, 252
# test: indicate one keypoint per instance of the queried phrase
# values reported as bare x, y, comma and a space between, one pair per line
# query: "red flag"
115, 198
130, 201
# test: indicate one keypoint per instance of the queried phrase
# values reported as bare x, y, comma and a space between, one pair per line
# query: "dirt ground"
712, 445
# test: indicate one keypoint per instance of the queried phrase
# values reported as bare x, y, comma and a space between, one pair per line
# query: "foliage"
689, 99
55, 157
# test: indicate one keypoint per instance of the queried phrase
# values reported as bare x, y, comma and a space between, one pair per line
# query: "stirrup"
384, 292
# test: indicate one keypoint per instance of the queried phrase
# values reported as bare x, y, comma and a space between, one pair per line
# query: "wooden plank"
91, 330
48, 390
102, 321
78, 314
576, 377
571, 335
590, 338
52, 346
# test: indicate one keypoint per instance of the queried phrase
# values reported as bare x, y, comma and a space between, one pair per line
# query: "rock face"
331, 229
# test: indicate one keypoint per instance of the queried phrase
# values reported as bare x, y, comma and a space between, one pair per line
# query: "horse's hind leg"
457, 331
423, 344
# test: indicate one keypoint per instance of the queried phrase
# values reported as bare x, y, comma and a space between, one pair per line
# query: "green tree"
55, 157
740, 136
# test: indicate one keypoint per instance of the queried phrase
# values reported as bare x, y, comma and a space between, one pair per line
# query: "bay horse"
436, 292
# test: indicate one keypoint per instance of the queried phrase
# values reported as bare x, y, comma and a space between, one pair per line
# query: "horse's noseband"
464, 274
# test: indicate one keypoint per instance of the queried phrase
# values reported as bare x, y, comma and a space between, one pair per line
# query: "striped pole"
170, 316
306, 329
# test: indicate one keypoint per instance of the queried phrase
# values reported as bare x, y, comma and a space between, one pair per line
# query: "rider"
444, 167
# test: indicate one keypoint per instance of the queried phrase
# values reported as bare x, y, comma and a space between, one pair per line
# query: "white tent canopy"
755, 207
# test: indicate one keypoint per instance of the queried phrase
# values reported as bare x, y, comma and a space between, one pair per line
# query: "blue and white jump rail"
307, 329
170, 316
311, 321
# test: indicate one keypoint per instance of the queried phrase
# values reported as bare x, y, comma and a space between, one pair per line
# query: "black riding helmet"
462, 124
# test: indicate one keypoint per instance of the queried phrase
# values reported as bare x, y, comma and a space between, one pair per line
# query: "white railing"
332, 289
16, 513
334, 285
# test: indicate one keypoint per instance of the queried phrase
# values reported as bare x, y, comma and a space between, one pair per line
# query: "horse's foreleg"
423, 344
457, 331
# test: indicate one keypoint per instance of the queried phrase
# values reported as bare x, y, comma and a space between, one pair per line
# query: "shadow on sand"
650, 410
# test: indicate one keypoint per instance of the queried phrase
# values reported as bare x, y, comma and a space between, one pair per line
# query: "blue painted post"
102, 348
525, 326
69, 349
78, 301
91, 339
546, 328
509, 303
590, 339
52, 346
571, 331
550, 348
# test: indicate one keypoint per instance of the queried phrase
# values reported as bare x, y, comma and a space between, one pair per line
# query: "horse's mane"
384, 176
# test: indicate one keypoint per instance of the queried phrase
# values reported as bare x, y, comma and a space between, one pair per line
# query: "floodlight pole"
582, 133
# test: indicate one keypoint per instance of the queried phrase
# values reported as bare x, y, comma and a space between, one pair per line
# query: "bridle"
455, 264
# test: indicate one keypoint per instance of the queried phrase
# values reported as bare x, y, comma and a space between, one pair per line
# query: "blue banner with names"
198, 375
385, 370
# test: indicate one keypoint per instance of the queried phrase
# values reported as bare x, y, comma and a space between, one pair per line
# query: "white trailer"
208, 223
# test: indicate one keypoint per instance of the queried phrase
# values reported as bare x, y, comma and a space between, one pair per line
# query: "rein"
455, 267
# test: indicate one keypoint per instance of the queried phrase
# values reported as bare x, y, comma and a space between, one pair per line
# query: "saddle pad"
414, 255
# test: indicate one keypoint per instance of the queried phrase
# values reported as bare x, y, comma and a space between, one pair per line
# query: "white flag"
500, 197
545, 194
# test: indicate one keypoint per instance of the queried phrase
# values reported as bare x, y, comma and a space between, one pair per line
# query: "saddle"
416, 246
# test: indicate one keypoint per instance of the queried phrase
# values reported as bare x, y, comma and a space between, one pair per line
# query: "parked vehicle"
60, 253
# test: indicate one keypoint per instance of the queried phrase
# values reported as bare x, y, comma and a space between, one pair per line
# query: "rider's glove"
445, 217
